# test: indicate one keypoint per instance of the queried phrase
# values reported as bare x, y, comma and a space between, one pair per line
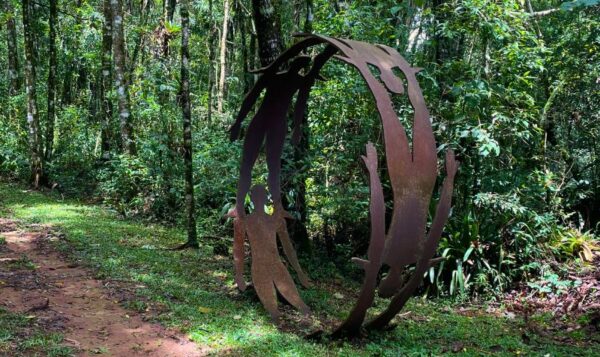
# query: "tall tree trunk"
73, 63
298, 230
268, 31
51, 81
35, 138
211, 60
121, 82
171, 9
106, 78
223, 57
252, 53
80, 60
242, 21
11, 44
187, 126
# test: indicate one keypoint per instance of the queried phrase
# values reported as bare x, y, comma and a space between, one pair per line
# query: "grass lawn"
20, 336
194, 292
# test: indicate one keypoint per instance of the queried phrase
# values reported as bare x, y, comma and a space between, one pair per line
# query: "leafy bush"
571, 243
125, 183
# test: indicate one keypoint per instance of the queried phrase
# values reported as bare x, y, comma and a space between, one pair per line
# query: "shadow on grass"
194, 291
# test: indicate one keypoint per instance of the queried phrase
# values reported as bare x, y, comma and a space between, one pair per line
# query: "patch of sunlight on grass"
193, 291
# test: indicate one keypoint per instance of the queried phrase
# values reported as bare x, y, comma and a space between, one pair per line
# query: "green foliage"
13, 143
20, 336
572, 243
23, 263
514, 94
194, 291
570, 5
552, 284
126, 184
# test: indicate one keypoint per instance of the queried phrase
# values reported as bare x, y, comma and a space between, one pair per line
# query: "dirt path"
36, 280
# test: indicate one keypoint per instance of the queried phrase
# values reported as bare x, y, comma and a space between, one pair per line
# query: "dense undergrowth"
194, 291
513, 91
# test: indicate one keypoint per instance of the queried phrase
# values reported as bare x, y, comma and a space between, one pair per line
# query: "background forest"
98, 99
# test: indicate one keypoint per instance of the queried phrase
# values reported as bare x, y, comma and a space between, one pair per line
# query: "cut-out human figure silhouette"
270, 125
412, 171
411, 166
269, 274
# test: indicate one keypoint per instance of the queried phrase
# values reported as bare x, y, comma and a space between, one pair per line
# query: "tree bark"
106, 78
297, 227
211, 61
171, 5
241, 19
51, 114
121, 82
13, 55
187, 126
223, 58
268, 31
35, 139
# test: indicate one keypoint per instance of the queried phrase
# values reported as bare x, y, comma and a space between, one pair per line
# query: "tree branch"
543, 12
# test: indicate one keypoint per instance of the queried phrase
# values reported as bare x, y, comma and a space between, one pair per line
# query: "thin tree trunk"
140, 46
211, 61
73, 65
252, 55
171, 9
121, 83
165, 37
243, 25
80, 60
106, 78
51, 81
35, 139
13, 55
187, 126
223, 57
298, 230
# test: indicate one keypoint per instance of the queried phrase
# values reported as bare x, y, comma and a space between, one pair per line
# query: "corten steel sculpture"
412, 174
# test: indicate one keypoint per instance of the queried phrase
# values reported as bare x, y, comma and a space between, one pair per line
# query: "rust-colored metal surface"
412, 172
269, 274
268, 125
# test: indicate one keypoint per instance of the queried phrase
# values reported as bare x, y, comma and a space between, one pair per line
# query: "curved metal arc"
351, 326
428, 249
412, 172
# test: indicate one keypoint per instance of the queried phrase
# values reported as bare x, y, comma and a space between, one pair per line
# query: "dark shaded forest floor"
77, 279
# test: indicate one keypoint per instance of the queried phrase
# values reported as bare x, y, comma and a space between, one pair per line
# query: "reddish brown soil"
65, 298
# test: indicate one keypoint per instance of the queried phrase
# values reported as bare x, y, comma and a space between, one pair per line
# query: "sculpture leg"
265, 289
285, 285
431, 243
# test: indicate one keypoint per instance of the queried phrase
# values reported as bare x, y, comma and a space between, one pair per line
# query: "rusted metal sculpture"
412, 174
268, 272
